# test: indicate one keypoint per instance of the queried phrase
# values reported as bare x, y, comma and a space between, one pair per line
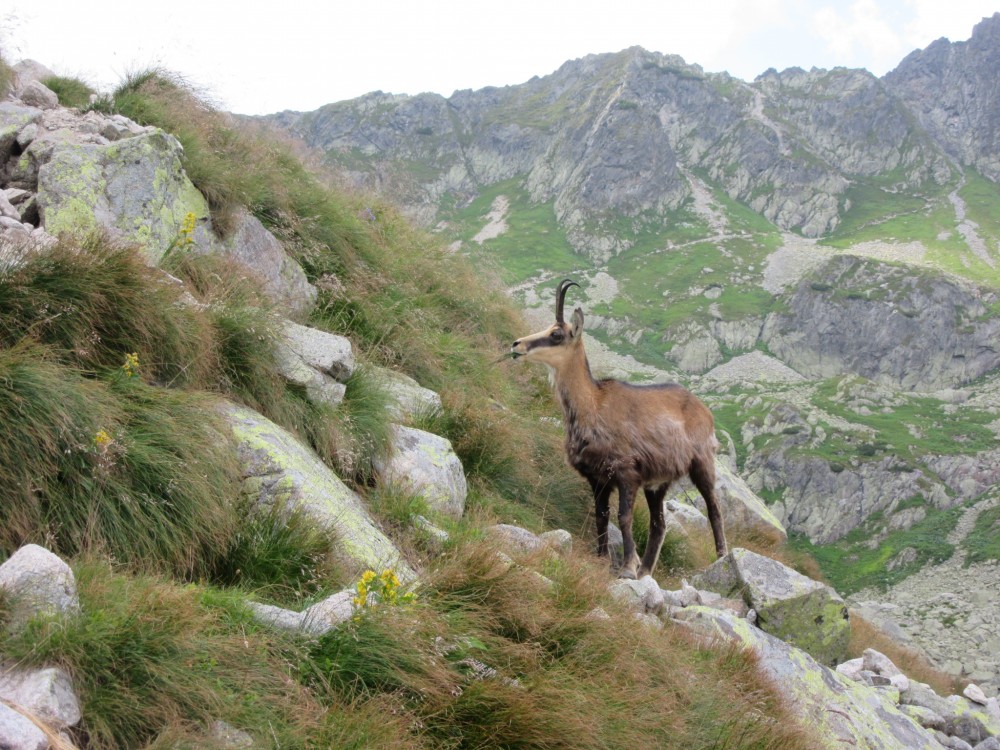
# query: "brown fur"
626, 437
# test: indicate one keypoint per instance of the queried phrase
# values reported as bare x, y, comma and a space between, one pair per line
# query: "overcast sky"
256, 57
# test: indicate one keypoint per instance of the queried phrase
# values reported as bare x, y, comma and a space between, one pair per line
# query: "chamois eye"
558, 335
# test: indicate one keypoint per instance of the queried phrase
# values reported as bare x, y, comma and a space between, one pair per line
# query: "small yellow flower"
102, 440
131, 366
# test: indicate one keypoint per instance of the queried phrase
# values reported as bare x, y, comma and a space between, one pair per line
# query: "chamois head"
553, 345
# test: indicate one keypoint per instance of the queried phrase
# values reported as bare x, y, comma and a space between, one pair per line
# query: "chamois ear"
577, 321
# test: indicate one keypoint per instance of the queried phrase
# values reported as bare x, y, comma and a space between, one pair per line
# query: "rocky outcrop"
279, 471
804, 612
860, 316
840, 711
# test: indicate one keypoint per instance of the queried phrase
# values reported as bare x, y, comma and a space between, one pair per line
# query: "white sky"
254, 57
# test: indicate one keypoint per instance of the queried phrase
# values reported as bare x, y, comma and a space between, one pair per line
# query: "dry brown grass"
913, 664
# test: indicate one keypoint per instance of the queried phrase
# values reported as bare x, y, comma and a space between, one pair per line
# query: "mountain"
815, 252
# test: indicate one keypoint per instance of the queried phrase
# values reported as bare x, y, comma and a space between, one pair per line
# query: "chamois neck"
575, 387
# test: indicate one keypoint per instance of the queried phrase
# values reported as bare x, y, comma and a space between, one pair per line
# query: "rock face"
278, 469
951, 88
804, 612
869, 318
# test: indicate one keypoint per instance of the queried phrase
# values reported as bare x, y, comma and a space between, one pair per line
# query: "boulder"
841, 712
326, 352
280, 470
30, 70
134, 188
967, 721
425, 464
643, 595
407, 398
37, 94
320, 388
44, 693
324, 615
559, 540
790, 606
254, 246
515, 538
41, 584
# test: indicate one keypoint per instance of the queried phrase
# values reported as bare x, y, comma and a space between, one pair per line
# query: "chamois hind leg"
703, 475
657, 528
630, 560
602, 491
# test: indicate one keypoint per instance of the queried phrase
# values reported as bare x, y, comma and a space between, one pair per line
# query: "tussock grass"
72, 92
142, 475
94, 300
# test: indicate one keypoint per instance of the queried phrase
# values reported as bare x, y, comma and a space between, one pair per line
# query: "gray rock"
975, 694
642, 596
13, 121
425, 464
254, 246
276, 617
18, 732
879, 663
326, 352
851, 668
229, 736
842, 713
37, 94
279, 470
324, 615
515, 538
969, 722
320, 388
41, 584
802, 611
46, 693
741, 507
925, 717
27, 71
990, 743
436, 536
408, 398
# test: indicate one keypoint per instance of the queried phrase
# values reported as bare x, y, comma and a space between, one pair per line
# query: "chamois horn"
561, 298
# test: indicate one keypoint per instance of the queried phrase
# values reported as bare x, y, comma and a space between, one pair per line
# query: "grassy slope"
92, 436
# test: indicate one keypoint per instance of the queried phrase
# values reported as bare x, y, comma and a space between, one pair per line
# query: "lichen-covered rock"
841, 712
280, 471
407, 398
426, 465
790, 606
135, 188
41, 584
46, 693
254, 246
968, 721
37, 94
13, 120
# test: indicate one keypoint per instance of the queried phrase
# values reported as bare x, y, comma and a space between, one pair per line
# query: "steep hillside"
816, 253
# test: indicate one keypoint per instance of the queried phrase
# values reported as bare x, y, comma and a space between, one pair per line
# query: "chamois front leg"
630, 560
602, 491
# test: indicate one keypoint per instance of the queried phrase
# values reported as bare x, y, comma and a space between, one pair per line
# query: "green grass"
72, 92
983, 542
850, 564
533, 240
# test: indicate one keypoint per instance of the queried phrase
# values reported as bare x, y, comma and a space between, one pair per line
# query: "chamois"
624, 436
